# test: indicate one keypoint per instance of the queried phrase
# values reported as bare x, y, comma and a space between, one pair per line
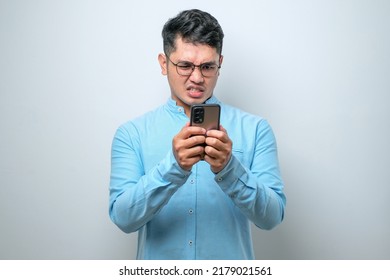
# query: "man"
191, 193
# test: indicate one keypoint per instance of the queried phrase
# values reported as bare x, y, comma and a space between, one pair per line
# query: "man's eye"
184, 66
209, 67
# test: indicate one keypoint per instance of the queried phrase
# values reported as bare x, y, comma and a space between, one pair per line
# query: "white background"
72, 71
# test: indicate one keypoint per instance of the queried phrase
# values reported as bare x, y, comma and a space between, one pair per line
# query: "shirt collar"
171, 104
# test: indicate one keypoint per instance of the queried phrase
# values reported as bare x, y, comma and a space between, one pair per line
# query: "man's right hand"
188, 147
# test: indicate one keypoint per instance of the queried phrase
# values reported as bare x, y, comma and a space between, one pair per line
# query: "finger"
220, 134
188, 131
216, 159
179, 144
196, 140
213, 142
211, 152
216, 164
196, 151
189, 156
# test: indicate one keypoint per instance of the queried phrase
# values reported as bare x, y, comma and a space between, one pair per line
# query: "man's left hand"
218, 149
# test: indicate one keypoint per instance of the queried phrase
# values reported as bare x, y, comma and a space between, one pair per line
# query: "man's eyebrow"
185, 61
207, 62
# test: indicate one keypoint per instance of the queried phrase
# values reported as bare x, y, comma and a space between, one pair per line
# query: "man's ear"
162, 59
220, 62
220, 59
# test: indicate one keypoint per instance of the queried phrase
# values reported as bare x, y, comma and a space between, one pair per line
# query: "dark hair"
193, 26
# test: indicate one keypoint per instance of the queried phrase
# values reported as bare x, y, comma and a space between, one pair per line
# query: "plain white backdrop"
72, 71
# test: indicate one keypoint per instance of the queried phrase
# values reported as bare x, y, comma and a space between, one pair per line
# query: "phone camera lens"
198, 115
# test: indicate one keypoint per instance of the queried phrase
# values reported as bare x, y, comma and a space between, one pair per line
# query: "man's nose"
196, 75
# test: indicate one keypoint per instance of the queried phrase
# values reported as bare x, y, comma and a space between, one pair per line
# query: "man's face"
193, 89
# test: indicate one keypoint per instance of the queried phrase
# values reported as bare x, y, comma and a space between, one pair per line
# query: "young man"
192, 193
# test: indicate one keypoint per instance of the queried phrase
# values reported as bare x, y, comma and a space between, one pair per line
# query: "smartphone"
206, 116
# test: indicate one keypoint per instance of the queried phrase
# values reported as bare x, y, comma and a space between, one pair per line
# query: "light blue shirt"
194, 214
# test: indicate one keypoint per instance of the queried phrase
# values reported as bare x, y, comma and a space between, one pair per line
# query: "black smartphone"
206, 116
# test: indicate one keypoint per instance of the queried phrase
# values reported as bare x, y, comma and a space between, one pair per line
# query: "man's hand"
188, 147
218, 149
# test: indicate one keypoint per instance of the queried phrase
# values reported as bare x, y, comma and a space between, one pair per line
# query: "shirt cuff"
228, 176
171, 171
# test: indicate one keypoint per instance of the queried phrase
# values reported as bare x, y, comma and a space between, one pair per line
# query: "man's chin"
189, 101
195, 101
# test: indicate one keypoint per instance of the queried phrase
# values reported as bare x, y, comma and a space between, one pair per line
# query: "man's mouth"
195, 92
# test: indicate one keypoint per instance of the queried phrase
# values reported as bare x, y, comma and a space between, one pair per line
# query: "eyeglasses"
185, 68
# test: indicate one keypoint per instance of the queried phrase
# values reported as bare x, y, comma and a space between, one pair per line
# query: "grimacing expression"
195, 88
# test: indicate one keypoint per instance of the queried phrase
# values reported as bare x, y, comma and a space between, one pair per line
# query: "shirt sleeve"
135, 197
258, 189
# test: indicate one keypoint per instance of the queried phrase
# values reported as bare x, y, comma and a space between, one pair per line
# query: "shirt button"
190, 211
192, 181
190, 242
219, 179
